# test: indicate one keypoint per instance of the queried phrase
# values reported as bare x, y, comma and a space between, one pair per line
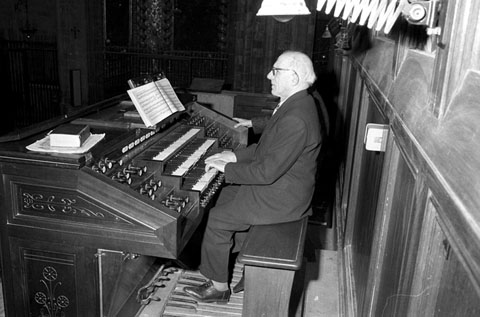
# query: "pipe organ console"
84, 234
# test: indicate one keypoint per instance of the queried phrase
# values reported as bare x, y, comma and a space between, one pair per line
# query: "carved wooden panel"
51, 280
61, 204
55, 202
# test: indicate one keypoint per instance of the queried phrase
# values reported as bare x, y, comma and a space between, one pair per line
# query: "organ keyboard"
188, 157
177, 142
96, 224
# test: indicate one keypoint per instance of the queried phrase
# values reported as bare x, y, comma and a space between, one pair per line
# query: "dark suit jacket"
277, 175
259, 123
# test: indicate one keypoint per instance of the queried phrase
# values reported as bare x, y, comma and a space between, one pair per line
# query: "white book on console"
69, 135
155, 101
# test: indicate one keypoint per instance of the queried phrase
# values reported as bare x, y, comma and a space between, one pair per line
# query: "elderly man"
271, 181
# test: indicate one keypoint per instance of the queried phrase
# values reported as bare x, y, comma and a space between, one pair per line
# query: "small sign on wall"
376, 136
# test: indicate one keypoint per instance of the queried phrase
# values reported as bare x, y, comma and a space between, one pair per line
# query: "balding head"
302, 65
293, 71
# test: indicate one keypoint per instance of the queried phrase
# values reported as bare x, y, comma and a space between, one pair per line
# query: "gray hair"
302, 65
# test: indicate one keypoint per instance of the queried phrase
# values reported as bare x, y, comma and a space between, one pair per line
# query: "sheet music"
169, 94
150, 103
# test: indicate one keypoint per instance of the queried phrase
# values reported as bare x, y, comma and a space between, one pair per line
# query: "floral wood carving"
39, 202
52, 305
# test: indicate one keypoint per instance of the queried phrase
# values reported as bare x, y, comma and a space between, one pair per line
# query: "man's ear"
295, 79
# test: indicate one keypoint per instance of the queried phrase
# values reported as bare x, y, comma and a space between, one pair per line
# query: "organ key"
176, 144
188, 157
198, 179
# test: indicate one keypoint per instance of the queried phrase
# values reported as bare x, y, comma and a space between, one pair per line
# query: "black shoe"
207, 293
240, 286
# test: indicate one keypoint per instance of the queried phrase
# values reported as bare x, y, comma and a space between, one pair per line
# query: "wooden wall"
260, 40
409, 217
80, 37
76, 27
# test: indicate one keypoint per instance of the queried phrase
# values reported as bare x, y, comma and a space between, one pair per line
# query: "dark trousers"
224, 234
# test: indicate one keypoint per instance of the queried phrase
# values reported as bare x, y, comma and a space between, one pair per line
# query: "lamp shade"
283, 7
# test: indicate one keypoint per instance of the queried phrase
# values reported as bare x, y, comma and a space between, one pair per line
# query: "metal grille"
33, 82
179, 67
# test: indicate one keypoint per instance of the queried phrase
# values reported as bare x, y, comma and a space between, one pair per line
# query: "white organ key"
176, 145
206, 178
193, 159
180, 171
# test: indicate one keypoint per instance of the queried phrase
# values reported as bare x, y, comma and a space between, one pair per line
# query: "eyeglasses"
274, 70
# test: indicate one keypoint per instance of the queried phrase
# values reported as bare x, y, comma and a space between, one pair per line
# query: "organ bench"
272, 255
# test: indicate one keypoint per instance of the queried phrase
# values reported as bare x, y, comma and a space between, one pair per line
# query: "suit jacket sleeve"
259, 123
246, 154
270, 161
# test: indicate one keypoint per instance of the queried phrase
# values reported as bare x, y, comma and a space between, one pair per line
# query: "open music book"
155, 99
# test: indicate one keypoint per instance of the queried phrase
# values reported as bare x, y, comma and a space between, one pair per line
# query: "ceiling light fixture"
283, 10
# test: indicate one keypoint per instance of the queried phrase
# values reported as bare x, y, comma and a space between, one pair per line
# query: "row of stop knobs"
124, 175
212, 131
196, 121
150, 187
175, 202
103, 165
225, 141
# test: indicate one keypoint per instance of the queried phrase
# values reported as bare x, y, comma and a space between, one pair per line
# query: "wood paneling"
363, 194
426, 241
396, 237
260, 40
53, 278
431, 254
441, 285
457, 296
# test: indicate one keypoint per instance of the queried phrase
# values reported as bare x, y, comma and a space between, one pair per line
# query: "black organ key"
177, 140
188, 157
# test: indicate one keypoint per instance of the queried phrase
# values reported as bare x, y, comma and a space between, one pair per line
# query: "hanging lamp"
283, 10
326, 34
